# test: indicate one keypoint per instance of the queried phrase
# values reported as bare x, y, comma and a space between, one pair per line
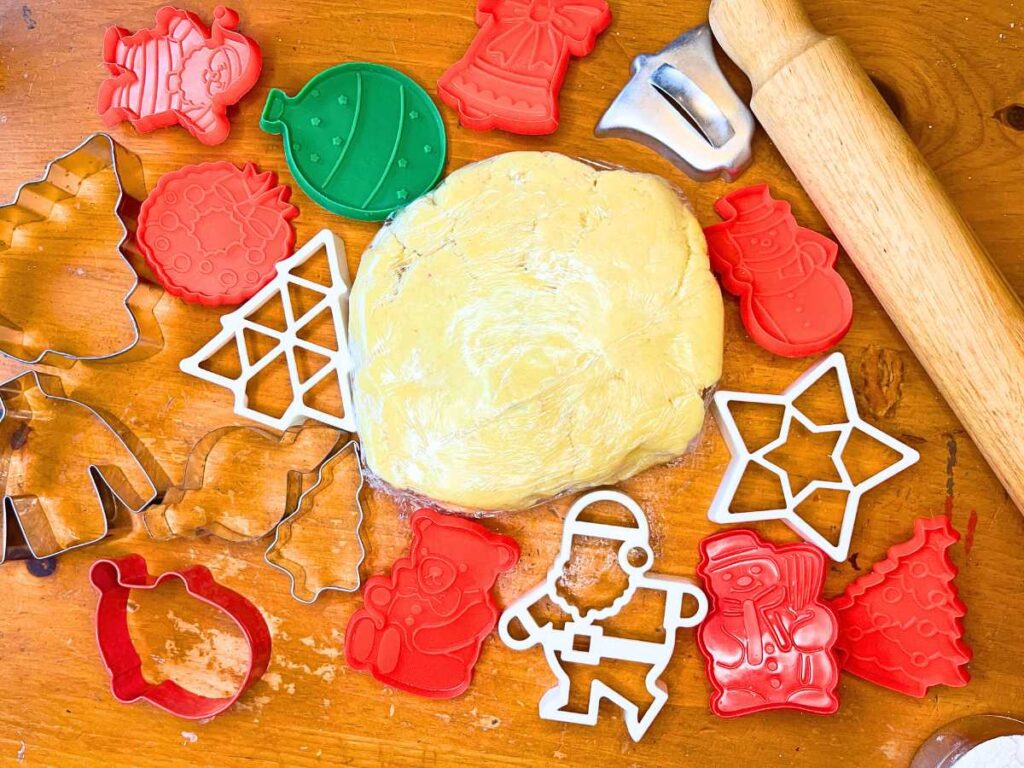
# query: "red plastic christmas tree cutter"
769, 634
179, 71
792, 301
421, 627
511, 75
900, 625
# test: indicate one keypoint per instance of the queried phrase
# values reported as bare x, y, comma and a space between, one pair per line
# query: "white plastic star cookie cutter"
332, 302
580, 641
742, 457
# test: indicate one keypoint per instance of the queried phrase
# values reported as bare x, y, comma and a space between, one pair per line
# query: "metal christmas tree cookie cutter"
35, 201
306, 506
679, 104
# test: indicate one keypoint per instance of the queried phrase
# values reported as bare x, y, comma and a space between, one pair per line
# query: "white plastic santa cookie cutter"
331, 304
742, 457
580, 640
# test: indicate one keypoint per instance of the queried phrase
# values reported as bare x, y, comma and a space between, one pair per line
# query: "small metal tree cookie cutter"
34, 202
742, 457
305, 506
679, 104
18, 504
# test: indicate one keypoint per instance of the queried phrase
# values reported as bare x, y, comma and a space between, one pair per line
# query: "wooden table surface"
953, 72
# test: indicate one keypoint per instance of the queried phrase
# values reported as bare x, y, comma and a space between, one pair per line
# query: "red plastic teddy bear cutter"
114, 580
421, 627
769, 634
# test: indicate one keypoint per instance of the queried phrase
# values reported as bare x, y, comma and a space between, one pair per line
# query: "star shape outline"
741, 457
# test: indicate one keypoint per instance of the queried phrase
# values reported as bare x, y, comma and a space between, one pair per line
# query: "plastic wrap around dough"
531, 327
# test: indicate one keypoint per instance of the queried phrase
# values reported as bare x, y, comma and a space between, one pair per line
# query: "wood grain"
901, 230
954, 75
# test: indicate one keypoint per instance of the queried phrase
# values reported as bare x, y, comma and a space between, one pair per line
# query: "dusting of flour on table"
1004, 752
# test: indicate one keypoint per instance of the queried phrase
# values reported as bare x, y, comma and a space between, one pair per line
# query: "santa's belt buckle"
582, 646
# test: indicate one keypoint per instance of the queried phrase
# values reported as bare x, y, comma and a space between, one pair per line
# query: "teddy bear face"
480, 559
748, 576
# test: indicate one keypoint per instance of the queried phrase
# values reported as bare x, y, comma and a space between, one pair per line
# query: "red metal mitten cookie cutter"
769, 635
178, 72
421, 627
213, 233
900, 625
792, 301
511, 75
114, 580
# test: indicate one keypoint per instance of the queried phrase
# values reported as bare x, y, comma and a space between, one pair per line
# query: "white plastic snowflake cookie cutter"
720, 511
235, 324
578, 641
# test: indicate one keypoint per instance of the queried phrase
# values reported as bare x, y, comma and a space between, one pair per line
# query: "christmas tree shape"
900, 625
259, 343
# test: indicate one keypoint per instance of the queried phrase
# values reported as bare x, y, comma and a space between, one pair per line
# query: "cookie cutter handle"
928, 269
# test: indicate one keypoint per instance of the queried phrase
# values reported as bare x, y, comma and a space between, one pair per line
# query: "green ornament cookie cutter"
361, 139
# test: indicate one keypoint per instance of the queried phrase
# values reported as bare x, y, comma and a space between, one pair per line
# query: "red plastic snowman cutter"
115, 580
511, 75
213, 233
420, 628
769, 635
900, 625
178, 72
792, 301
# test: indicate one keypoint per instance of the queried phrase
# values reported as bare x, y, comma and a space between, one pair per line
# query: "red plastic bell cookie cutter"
178, 72
900, 625
115, 580
511, 75
420, 628
769, 635
792, 301
213, 233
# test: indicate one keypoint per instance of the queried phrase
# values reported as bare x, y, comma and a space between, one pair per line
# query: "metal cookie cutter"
114, 581
322, 511
28, 489
679, 104
34, 202
742, 457
580, 640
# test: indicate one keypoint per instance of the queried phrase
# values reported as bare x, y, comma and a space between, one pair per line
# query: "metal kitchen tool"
312, 543
679, 104
59, 454
28, 340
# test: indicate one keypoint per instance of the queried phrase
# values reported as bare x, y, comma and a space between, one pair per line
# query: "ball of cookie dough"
532, 326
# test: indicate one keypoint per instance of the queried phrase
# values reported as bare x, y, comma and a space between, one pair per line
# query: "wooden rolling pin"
886, 207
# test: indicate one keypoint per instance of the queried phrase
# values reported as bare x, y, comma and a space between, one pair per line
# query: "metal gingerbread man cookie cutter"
564, 644
721, 507
34, 202
679, 104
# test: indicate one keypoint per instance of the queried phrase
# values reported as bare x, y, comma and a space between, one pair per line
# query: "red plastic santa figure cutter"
511, 75
769, 634
792, 301
178, 72
421, 627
